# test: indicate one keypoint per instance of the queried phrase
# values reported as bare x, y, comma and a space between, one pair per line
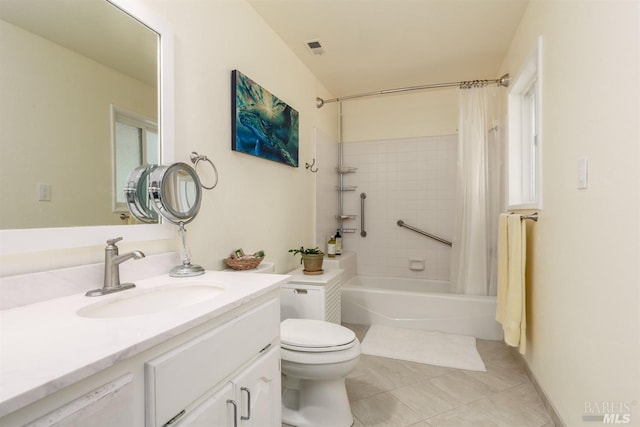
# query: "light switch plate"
44, 192
583, 173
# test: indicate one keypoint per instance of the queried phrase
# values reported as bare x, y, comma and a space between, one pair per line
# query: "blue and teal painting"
262, 124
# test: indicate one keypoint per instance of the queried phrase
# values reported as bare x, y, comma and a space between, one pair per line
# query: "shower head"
319, 102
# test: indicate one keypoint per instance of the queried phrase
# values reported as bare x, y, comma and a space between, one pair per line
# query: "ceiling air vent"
315, 47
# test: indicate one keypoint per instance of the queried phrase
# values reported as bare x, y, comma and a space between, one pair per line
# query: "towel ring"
195, 159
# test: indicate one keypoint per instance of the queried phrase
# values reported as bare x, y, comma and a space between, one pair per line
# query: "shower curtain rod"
502, 81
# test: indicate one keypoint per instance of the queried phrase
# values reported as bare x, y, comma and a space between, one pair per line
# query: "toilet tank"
312, 296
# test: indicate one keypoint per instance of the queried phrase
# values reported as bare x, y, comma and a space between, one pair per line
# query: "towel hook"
195, 159
310, 166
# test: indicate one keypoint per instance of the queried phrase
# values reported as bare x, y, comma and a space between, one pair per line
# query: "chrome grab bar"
363, 196
424, 233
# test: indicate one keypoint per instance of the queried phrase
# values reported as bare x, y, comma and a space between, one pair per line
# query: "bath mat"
432, 348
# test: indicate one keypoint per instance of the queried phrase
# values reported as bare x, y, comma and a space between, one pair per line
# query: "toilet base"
317, 403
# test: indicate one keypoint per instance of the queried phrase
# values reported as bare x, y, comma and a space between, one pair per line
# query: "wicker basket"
243, 264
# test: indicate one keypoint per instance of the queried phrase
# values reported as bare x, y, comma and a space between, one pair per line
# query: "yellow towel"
510, 310
503, 266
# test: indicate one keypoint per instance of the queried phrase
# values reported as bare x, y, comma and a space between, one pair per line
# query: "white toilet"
316, 358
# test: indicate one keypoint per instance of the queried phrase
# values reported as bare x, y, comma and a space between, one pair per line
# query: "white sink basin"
161, 299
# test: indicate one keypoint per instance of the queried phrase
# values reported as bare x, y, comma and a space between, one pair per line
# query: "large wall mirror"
67, 66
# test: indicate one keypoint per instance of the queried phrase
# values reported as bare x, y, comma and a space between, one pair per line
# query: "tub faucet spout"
112, 263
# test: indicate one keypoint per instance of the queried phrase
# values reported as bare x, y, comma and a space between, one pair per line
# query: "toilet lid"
314, 335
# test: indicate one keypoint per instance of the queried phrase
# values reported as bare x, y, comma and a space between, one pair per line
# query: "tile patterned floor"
391, 393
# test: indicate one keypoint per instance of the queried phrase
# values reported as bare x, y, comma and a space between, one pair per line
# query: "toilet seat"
316, 357
315, 336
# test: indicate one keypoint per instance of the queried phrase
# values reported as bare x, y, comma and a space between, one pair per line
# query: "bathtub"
418, 304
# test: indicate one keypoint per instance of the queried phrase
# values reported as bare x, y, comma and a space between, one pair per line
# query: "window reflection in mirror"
135, 142
57, 88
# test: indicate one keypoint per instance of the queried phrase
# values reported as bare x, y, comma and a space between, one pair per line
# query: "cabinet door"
179, 377
215, 411
106, 406
301, 303
258, 392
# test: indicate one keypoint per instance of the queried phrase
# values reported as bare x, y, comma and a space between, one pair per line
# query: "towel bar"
532, 216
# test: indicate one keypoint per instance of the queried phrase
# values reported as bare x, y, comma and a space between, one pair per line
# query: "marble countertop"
46, 346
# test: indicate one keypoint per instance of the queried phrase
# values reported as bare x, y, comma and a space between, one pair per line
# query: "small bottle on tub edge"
331, 247
338, 239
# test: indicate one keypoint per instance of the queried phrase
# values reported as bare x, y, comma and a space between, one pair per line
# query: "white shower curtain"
473, 259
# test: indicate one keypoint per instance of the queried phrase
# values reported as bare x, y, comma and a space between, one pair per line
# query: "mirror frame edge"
41, 239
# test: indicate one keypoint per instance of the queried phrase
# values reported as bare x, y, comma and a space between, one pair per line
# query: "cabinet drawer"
180, 376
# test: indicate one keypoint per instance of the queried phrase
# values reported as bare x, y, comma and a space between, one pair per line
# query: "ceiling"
372, 45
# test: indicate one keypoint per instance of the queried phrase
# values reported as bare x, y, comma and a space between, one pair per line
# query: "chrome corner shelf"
346, 217
346, 169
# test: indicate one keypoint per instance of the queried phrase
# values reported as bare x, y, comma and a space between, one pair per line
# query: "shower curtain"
473, 258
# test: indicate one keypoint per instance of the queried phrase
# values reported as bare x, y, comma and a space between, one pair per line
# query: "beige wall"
258, 204
583, 288
408, 115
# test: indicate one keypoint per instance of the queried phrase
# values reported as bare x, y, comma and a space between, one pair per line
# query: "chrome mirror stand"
186, 269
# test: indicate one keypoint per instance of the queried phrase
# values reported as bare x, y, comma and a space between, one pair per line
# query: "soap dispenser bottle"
338, 242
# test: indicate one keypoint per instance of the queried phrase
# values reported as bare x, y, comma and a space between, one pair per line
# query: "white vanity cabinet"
189, 378
251, 399
217, 410
191, 382
108, 405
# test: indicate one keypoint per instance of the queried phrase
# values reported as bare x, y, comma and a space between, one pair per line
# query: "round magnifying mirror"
176, 192
137, 195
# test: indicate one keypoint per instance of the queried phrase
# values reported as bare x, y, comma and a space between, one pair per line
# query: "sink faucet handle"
112, 242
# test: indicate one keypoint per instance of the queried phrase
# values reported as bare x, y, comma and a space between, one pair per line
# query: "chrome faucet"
112, 263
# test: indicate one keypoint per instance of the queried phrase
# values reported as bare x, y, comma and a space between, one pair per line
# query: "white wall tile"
409, 179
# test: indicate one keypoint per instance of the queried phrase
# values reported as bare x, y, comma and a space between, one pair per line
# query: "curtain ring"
195, 159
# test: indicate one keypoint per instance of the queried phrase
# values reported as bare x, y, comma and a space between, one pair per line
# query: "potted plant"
311, 258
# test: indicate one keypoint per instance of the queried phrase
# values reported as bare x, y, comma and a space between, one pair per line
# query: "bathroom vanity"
198, 351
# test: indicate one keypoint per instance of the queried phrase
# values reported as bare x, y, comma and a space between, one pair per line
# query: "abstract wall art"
262, 124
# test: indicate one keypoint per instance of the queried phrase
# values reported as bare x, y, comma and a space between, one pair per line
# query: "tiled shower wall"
409, 179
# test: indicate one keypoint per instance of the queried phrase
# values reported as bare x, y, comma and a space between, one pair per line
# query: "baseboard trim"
543, 396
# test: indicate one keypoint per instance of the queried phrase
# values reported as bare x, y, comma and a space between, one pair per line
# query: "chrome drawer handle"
248, 403
235, 412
